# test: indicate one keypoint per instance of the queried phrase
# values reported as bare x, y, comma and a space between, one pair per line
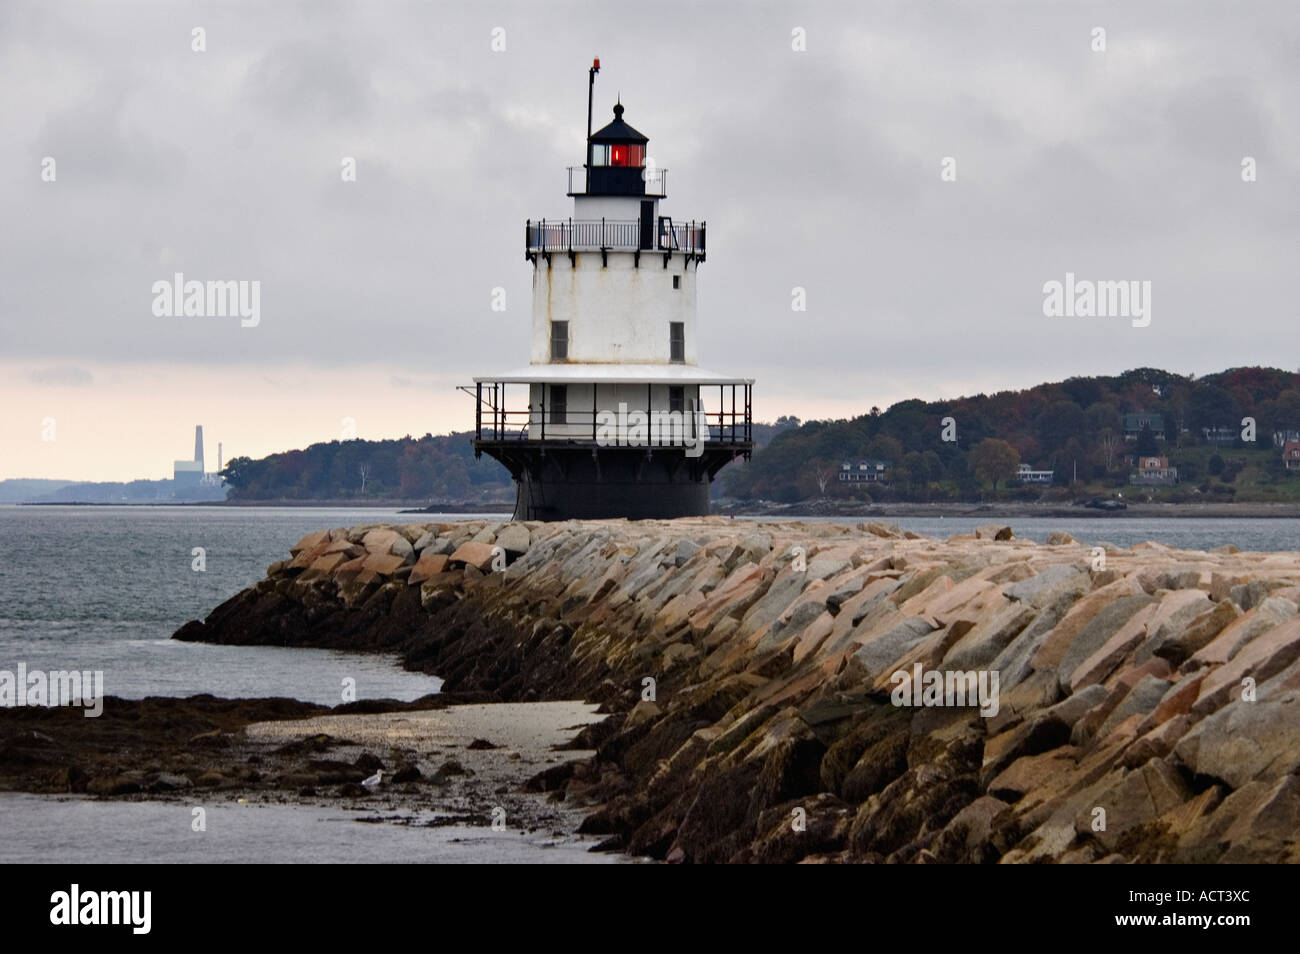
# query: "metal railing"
496, 422
567, 235
656, 180
686, 237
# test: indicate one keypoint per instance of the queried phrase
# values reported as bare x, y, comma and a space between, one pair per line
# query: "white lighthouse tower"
613, 417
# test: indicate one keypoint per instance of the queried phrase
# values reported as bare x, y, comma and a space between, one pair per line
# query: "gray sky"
818, 169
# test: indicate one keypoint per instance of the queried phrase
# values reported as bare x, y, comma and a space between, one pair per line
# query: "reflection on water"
36, 828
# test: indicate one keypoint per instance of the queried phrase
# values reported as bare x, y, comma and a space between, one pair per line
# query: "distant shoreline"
405, 506
1007, 509
999, 510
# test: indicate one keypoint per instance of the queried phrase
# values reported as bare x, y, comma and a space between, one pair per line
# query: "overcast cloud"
818, 169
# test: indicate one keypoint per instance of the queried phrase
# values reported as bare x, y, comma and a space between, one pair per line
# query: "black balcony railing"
726, 411
614, 235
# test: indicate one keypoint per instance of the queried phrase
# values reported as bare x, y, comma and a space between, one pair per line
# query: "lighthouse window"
676, 341
559, 341
676, 398
617, 155
626, 155
677, 281
559, 404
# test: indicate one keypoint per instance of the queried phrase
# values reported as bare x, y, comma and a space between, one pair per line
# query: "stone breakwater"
1148, 698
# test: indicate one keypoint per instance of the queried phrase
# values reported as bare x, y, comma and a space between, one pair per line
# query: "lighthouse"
613, 416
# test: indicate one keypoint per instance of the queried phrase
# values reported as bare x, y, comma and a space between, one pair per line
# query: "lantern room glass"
618, 154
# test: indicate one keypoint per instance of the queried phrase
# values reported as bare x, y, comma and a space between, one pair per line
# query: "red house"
1291, 455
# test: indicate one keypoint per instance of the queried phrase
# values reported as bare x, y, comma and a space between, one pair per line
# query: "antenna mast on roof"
591, 90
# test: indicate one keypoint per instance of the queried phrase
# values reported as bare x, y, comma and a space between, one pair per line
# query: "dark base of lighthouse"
582, 483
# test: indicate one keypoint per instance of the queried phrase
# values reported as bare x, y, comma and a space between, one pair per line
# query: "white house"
1027, 475
870, 471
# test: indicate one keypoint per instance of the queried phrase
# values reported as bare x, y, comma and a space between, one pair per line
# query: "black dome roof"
618, 131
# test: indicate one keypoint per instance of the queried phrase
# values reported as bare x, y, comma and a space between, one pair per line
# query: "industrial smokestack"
218, 457
198, 445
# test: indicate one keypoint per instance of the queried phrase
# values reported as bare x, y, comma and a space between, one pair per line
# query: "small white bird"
374, 780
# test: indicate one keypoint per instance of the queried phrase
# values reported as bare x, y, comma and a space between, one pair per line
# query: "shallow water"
39, 828
103, 588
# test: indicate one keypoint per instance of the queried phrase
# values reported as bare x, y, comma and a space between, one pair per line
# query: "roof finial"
618, 107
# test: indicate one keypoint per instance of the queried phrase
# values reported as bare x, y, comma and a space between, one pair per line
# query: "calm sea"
104, 588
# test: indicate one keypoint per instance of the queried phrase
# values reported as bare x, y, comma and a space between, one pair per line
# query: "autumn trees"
1076, 425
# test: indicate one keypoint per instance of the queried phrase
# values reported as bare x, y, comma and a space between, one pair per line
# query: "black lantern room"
616, 159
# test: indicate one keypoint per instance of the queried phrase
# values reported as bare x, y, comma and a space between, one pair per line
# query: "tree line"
1071, 427
439, 468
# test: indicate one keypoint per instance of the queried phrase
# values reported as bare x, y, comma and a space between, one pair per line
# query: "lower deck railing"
725, 419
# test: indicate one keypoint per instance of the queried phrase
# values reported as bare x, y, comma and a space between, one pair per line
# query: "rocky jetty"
1137, 704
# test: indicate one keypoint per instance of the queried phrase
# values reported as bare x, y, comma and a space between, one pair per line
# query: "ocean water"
104, 588
38, 829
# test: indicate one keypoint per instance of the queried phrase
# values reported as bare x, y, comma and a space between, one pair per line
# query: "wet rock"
405, 772
334, 772
168, 782
979, 833
880, 764
368, 763
923, 799
114, 785
315, 743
